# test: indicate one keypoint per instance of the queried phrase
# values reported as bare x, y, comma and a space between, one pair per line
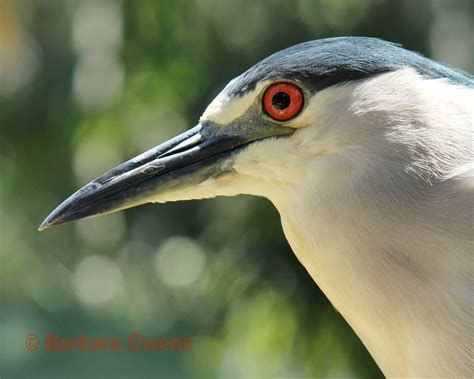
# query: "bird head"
273, 128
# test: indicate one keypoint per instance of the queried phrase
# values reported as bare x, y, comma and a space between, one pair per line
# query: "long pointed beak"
188, 159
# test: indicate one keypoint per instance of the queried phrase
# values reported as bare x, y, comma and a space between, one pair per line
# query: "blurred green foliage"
87, 84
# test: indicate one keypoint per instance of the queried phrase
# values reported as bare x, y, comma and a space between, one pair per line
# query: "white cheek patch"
224, 109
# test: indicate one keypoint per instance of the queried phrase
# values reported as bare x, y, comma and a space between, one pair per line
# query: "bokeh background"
87, 84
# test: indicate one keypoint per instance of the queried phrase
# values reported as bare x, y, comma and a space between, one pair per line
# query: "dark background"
85, 85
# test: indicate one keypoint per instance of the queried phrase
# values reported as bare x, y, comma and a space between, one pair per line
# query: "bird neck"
384, 275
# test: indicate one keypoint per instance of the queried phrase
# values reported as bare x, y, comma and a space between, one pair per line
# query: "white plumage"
390, 240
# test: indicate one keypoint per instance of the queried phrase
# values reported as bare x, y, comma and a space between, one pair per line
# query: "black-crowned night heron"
366, 150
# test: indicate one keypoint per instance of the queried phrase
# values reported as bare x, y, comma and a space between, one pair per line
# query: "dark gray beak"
186, 160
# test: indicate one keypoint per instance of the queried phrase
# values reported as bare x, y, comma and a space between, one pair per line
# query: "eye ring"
283, 101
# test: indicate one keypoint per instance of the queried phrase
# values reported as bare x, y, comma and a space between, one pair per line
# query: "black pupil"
281, 100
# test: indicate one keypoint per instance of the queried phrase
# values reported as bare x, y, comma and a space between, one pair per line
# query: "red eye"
282, 101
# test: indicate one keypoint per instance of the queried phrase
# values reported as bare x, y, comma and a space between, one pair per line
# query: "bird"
365, 149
